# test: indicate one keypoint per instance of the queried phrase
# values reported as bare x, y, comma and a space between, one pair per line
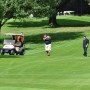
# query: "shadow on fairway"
9, 56
61, 22
29, 48
28, 24
55, 37
72, 23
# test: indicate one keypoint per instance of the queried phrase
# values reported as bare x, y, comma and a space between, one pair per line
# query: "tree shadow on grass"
61, 22
72, 23
28, 24
29, 48
54, 36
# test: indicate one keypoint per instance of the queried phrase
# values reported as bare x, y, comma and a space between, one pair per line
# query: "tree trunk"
52, 21
0, 33
0, 29
2, 23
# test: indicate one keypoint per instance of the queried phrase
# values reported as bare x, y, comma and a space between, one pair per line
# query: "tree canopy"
22, 8
13, 9
48, 8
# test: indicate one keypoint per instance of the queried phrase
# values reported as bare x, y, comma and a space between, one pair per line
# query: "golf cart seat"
18, 44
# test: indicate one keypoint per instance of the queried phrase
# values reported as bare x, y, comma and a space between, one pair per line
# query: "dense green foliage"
48, 8
45, 7
13, 9
23, 8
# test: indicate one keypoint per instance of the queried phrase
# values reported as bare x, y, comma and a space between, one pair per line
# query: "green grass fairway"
65, 69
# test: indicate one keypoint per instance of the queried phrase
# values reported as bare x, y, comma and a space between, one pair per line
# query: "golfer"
47, 40
85, 45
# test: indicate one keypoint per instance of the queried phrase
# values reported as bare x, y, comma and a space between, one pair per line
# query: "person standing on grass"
85, 45
47, 40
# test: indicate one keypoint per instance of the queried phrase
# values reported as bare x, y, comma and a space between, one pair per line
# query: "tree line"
40, 8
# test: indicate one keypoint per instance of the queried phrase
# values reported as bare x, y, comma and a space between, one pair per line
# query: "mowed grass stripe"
11, 67
27, 63
20, 88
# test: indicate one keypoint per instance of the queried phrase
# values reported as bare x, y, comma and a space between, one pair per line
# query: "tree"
13, 9
48, 8
1, 13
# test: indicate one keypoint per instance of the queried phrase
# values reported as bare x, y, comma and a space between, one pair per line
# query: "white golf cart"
11, 45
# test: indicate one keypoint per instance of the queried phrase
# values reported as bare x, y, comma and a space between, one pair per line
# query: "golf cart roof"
13, 34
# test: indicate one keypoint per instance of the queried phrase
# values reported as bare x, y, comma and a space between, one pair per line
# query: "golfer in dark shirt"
85, 45
47, 40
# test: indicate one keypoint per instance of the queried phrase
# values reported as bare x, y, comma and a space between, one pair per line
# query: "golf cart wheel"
2, 52
11, 52
22, 52
17, 53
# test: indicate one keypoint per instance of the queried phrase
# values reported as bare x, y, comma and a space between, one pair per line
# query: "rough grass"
65, 69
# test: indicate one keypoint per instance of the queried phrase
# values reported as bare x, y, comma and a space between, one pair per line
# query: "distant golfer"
85, 45
47, 40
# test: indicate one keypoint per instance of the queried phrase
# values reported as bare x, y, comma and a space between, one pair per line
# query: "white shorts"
48, 47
